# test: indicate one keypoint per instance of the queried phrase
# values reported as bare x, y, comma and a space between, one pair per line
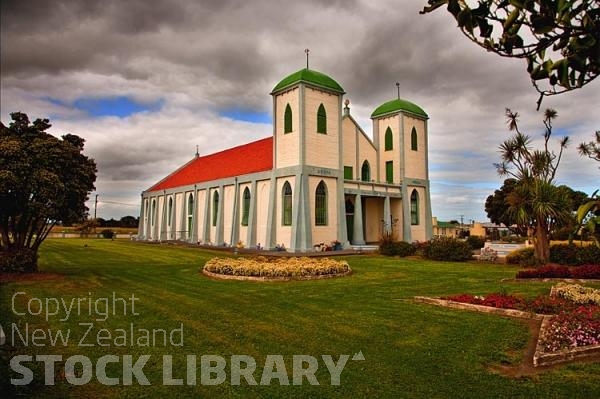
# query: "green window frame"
321, 204
365, 171
413, 140
286, 202
322, 120
414, 208
389, 139
348, 173
245, 206
389, 172
287, 119
215, 207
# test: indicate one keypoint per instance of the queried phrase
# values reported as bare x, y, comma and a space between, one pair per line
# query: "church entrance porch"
370, 216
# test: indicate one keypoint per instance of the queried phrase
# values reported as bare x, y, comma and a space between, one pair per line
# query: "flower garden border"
281, 278
540, 358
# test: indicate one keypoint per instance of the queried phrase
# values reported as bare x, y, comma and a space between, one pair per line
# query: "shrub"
545, 304
524, 257
563, 254
578, 294
548, 271
107, 233
283, 267
397, 248
588, 255
420, 248
22, 260
579, 327
586, 271
488, 255
563, 233
448, 249
503, 301
476, 242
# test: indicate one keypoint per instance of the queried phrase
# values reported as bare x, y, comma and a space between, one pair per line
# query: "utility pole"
95, 206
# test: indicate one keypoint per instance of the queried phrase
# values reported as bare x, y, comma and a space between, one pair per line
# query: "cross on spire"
398, 87
306, 51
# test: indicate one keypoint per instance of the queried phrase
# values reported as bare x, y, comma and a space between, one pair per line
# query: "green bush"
563, 233
107, 233
476, 242
22, 260
396, 248
448, 249
524, 257
588, 255
564, 254
574, 255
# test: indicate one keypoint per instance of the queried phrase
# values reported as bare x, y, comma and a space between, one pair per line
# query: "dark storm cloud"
205, 58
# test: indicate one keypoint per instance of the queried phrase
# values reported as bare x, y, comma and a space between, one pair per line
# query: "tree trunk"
541, 245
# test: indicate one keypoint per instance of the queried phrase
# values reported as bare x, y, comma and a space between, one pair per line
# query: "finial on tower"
346, 108
398, 87
306, 51
197, 153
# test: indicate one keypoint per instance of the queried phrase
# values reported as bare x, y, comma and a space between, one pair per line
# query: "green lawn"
410, 349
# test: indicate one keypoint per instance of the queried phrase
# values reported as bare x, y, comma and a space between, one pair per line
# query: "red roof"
248, 158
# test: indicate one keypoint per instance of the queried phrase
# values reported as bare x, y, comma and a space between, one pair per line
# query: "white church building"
318, 179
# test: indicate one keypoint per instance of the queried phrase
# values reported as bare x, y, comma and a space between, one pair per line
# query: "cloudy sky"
144, 82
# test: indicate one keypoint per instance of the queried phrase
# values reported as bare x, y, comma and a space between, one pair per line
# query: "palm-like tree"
536, 203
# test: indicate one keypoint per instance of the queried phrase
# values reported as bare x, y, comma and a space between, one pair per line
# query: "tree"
496, 206
129, 221
588, 214
588, 217
591, 149
535, 203
560, 39
43, 180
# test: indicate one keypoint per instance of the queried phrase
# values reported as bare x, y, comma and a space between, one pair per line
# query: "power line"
118, 203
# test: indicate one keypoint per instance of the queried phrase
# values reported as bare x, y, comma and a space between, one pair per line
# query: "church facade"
318, 179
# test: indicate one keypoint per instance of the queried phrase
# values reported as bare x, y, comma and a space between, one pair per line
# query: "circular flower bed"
262, 268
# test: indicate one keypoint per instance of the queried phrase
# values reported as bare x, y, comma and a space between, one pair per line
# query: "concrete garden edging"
540, 358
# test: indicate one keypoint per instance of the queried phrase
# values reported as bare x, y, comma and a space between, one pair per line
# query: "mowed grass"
411, 350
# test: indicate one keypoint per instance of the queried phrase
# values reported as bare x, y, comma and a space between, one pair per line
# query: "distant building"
319, 178
445, 229
489, 231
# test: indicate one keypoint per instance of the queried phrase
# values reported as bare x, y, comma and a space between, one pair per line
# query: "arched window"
413, 140
389, 172
321, 120
190, 214
414, 208
287, 119
215, 207
153, 213
286, 201
321, 204
365, 171
245, 206
170, 211
389, 139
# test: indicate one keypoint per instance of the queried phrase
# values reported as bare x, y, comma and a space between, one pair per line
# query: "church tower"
400, 134
307, 146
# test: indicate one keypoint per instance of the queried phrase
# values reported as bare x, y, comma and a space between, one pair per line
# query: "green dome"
309, 76
398, 105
